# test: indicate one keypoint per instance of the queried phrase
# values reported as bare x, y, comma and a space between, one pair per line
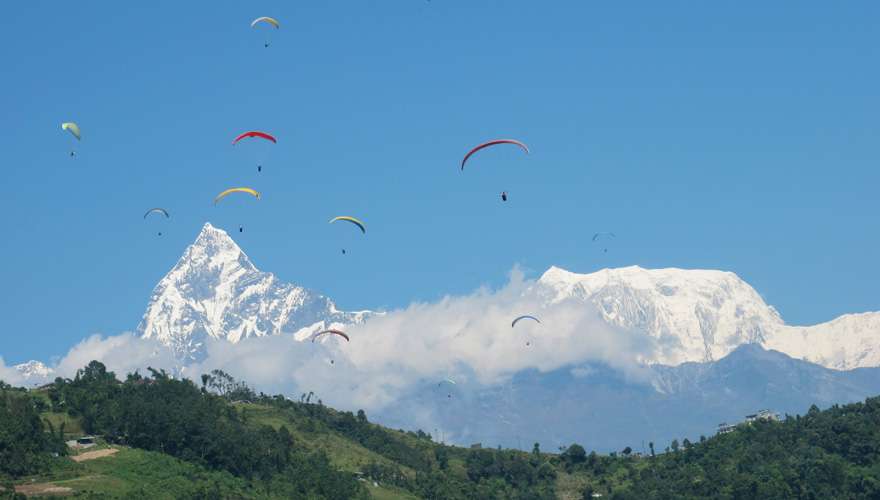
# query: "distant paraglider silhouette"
603, 236
73, 128
520, 318
266, 20
158, 210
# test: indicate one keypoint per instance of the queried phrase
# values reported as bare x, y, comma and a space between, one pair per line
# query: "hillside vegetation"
222, 440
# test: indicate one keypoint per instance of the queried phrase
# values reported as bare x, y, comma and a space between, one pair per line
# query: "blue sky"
740, 137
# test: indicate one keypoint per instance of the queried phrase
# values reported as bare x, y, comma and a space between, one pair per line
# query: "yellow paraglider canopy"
229, 191
268, 20
73, 128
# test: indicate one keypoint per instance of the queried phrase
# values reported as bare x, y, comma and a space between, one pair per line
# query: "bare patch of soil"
91, 455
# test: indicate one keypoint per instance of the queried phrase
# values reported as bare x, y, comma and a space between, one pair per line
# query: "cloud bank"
10, 375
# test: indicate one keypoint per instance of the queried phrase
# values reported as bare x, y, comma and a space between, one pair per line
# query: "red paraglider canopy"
493, 143
254, 133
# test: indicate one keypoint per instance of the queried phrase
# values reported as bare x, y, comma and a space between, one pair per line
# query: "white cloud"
10, 375
467, 338
121, 354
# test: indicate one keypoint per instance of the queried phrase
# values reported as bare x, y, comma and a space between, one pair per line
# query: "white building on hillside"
766, 415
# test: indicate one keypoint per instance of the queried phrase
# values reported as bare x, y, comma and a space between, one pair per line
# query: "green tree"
587, 494
575, 454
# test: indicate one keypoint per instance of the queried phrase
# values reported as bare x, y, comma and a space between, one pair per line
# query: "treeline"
414, 453
824, 454
176, 417
486, 474
25, 446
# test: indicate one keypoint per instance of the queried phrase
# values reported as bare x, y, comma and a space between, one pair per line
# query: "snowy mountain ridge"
34, 370
215, 291
703, 315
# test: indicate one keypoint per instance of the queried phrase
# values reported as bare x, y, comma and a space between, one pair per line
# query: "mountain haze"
599, 407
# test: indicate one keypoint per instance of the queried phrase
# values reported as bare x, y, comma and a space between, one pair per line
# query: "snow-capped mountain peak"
703, 315
215, 291
216, 248
35, 371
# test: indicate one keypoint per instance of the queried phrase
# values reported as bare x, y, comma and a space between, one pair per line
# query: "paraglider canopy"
254, 133
331, 331
354, 221
493, 143
73, 128
605, 235
229, 191
518, 319
267, 20
158, 210
447, 381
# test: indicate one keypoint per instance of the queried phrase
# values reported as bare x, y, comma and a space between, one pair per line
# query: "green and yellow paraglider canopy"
354, 221
229, 191
267, 20
73, 128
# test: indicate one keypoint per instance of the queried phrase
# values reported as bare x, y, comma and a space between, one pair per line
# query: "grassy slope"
133, 473
344, 453
137, 473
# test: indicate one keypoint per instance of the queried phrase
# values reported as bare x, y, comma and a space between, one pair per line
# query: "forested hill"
219, 439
